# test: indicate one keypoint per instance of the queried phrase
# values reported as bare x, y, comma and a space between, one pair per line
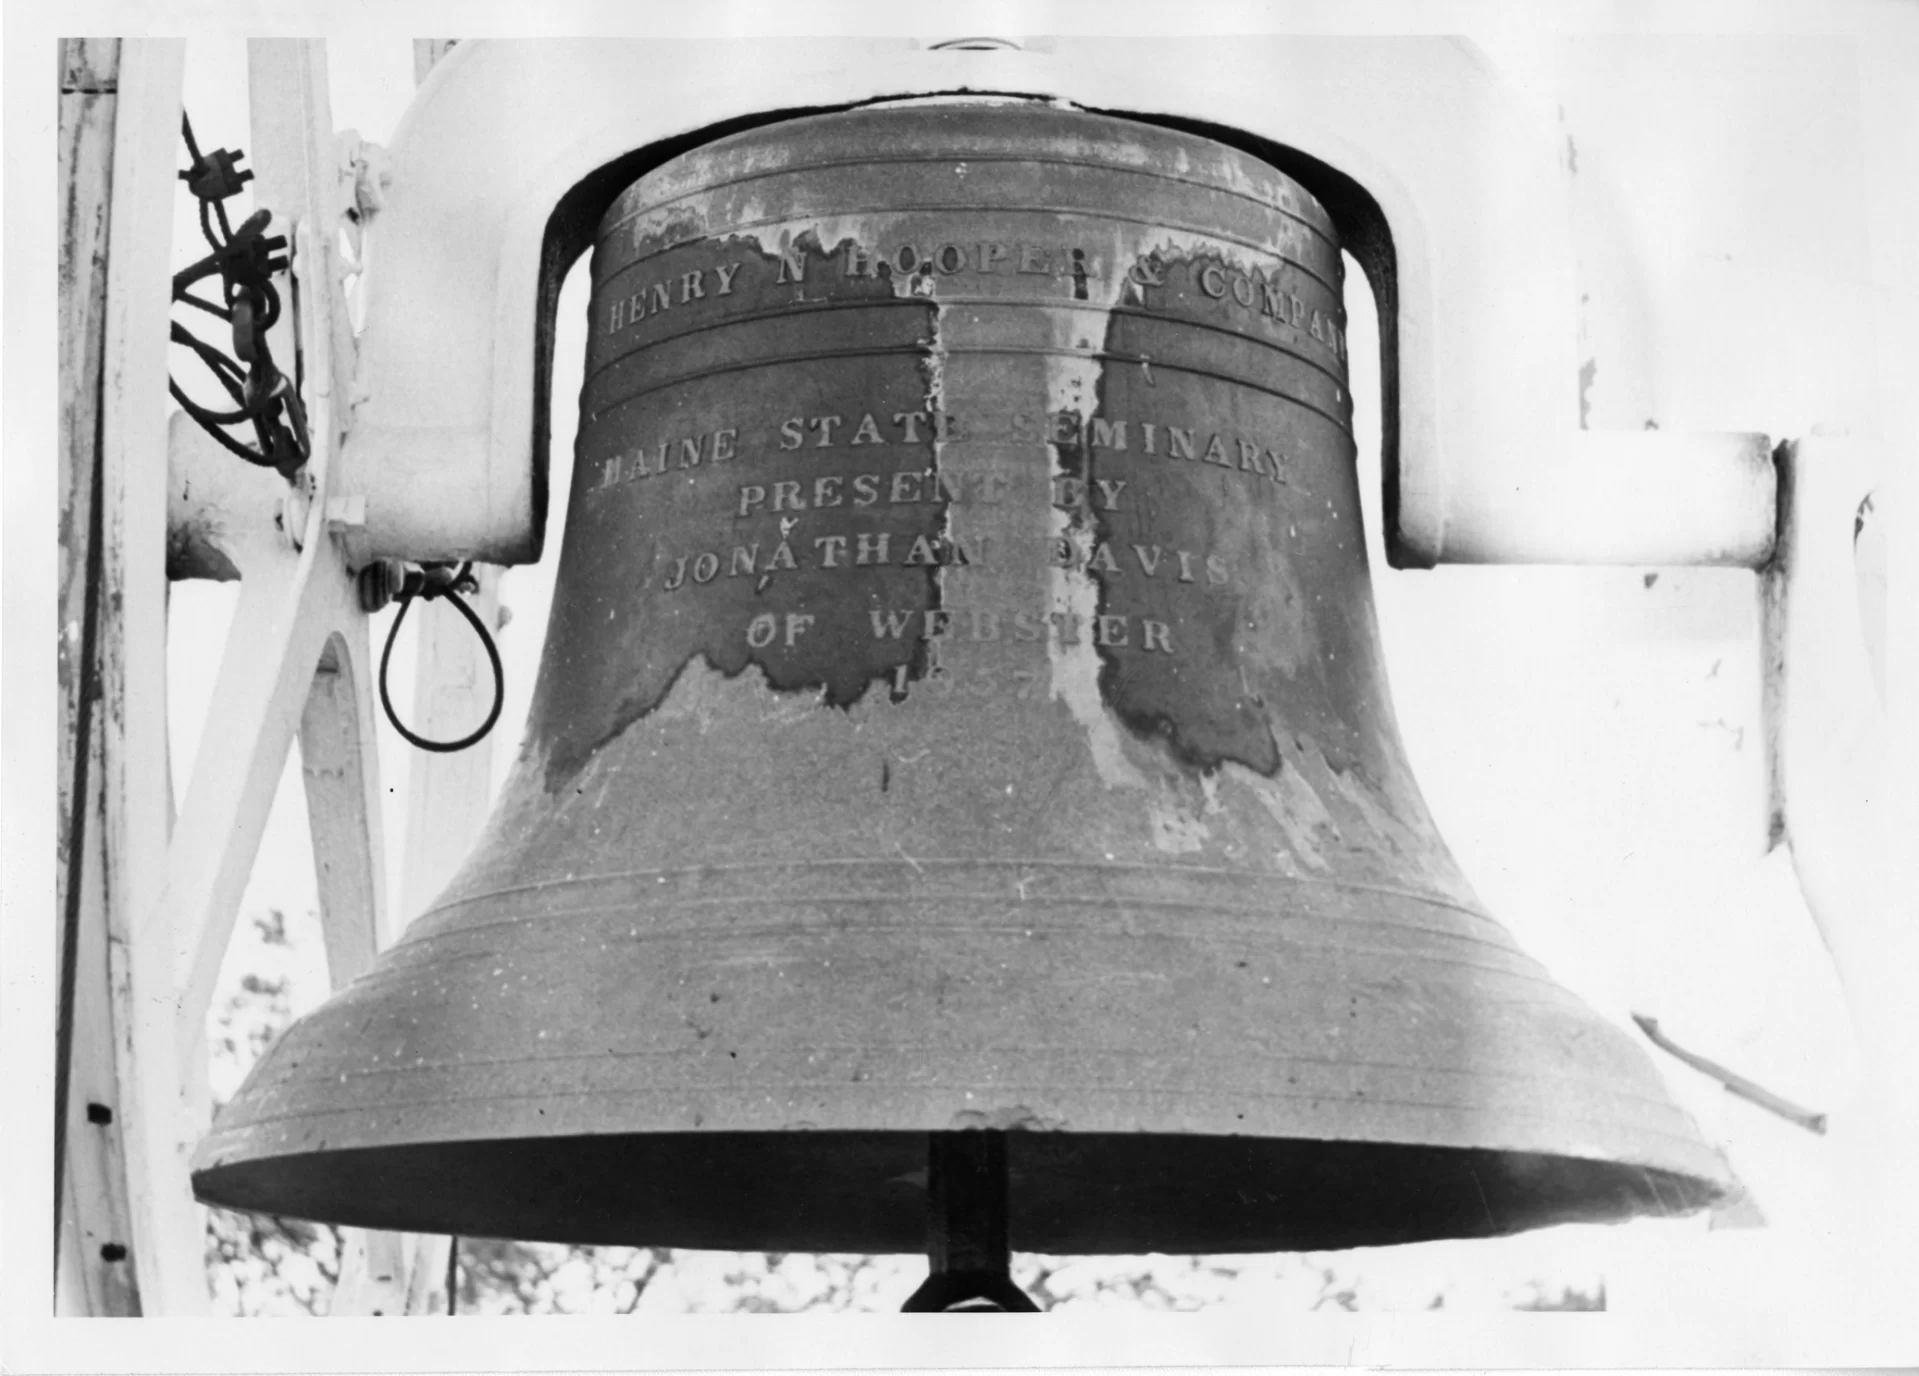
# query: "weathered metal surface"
962, 708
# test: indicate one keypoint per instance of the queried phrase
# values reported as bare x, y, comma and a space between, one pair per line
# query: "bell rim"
1079, 1193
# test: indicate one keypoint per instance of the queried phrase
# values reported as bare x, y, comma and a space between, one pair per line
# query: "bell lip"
1070, 1193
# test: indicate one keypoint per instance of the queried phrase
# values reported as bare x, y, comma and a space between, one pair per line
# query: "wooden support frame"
161, 895
93, 1269
297, 608
161, 1252
447, 803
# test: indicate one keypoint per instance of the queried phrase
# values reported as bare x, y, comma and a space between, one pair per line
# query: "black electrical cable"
229, 375
492, 654
186, 297
244, 262
219, 207
227, 441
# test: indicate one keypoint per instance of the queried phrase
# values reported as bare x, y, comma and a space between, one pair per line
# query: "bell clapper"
966, 1235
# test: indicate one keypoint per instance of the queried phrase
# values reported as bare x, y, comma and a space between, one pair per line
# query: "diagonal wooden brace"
296, 604
297, 660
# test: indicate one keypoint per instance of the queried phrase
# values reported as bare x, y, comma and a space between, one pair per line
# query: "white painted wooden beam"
290, 598
1648, 498
297, 659
298, 613
157, 1108
303, 178
448, 795
340, 760
93, 1268
1482, 364
341, 769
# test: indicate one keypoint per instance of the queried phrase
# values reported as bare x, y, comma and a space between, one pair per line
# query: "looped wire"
425, 584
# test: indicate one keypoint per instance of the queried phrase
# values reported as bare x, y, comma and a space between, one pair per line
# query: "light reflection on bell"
962, 709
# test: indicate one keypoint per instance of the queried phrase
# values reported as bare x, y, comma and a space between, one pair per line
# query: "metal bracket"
512, 150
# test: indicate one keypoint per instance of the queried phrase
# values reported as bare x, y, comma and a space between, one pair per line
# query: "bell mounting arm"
512, 151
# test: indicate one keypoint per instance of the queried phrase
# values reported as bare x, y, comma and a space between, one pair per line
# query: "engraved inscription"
984, 257
1161, 439
902, 487
854, 451
841, 522
838, 523
1273, 295
673, 453
1030, 626
664, 294
857, 550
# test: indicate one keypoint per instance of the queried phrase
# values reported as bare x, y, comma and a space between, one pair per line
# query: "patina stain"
1219, 486
751, 508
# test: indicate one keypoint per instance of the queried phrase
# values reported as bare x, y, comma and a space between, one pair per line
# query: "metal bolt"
379, 583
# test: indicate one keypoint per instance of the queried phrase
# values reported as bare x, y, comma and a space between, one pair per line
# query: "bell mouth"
841, 1191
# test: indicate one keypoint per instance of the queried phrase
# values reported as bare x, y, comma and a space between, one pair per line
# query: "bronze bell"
962, 709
